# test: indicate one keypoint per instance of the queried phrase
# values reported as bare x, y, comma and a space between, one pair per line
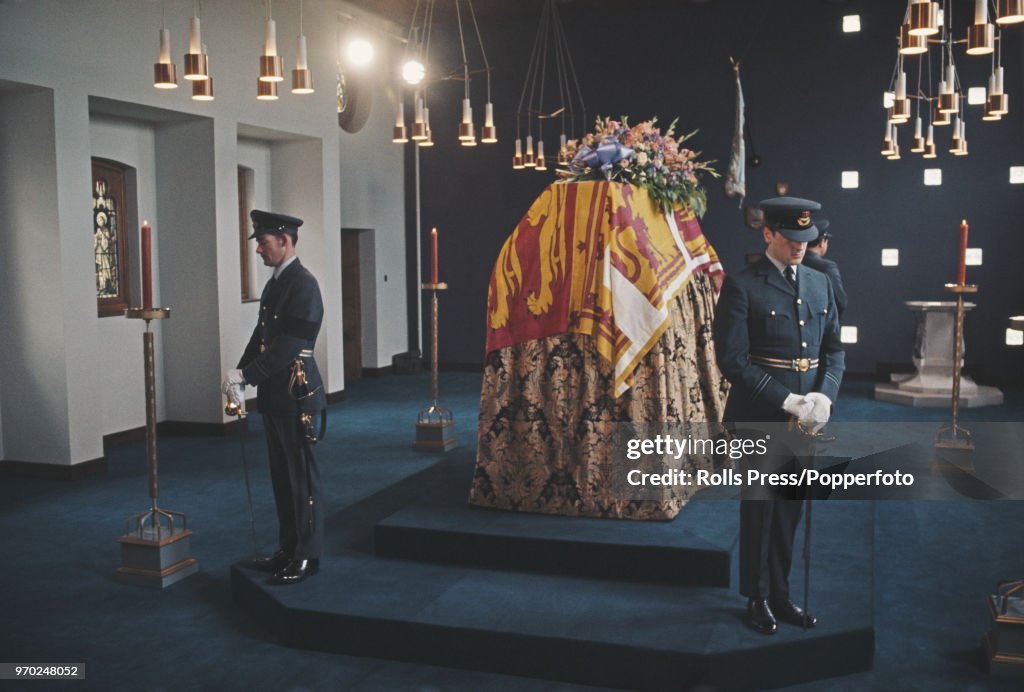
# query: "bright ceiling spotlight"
360, 52
413, 72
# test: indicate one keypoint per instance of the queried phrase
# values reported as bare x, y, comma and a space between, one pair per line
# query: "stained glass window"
110, 249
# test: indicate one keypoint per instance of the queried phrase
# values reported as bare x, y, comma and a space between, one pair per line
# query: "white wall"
32, 362
122, 395
376, 200
357, 180
254, 154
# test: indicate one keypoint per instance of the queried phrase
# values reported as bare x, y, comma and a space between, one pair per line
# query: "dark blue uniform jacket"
291, 311
760, 313
831, 270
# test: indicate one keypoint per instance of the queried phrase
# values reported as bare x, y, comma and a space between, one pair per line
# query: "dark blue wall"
814, 105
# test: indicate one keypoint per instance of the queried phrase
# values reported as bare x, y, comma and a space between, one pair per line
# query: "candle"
961, 271
433, 255
147, 267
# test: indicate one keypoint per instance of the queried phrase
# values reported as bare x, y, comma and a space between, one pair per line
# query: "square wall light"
851, 23
890, 257
933, 176
850, 179
1014, 337
976, 96
973, 257
1017, 174
848, 334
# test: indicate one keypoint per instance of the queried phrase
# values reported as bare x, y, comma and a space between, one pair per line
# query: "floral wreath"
641, 155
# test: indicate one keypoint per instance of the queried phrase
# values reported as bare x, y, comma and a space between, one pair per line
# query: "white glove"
237, 396
798, 406
231, 379
821, 412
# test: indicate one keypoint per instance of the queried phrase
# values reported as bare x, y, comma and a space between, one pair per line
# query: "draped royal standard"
596, 258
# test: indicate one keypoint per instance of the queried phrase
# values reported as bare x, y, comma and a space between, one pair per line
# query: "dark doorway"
351, 304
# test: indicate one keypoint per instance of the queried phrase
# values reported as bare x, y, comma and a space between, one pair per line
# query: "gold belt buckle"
802, 364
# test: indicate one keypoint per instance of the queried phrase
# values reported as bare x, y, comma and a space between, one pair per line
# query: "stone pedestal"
932, 384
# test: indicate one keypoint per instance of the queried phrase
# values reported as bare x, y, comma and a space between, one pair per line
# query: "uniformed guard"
815, 259
776, 334
279, 362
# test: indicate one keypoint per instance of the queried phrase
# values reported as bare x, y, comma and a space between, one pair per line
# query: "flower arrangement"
641, 155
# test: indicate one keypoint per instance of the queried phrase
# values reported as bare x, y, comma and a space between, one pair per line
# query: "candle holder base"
961, 288
953, 437
435, 430
155, 551
440, 286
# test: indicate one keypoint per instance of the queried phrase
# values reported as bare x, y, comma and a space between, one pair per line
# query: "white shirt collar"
284, 265
779, 265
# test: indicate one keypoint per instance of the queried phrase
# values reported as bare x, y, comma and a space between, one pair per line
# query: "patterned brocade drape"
548, 411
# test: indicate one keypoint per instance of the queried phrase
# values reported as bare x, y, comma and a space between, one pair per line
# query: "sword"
807, 555
233, 409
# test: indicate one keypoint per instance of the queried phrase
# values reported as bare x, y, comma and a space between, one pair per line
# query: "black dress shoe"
790, 612
295, 571
272, 563
760, 616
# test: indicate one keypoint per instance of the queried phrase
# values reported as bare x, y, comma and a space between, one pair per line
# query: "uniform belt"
306, 353
795, 364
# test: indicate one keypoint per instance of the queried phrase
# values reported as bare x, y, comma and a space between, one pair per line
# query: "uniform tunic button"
803, 344
801, 323
799, 301
773, 312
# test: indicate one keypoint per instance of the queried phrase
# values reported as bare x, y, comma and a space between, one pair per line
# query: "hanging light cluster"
534, 106
271, 69
416, 72
927, 23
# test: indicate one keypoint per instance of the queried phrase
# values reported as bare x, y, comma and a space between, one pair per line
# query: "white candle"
981, 11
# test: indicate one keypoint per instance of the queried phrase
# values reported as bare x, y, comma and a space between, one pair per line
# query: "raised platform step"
692, 550
589, 631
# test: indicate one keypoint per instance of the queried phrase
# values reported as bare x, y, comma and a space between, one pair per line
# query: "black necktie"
791, 275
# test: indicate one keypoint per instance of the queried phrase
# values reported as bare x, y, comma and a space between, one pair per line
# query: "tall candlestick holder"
435, 425
155, 545
955, 436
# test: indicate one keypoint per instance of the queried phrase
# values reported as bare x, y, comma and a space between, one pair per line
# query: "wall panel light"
933, 176
851, 23
1017, 175
848, 334
976, 96
973, 258
850, 179
1014, 337
890, 257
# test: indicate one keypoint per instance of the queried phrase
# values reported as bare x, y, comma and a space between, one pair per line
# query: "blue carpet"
934, 562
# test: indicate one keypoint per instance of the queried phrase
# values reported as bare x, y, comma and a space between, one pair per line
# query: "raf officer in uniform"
815, 259
279, 362
776, 334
